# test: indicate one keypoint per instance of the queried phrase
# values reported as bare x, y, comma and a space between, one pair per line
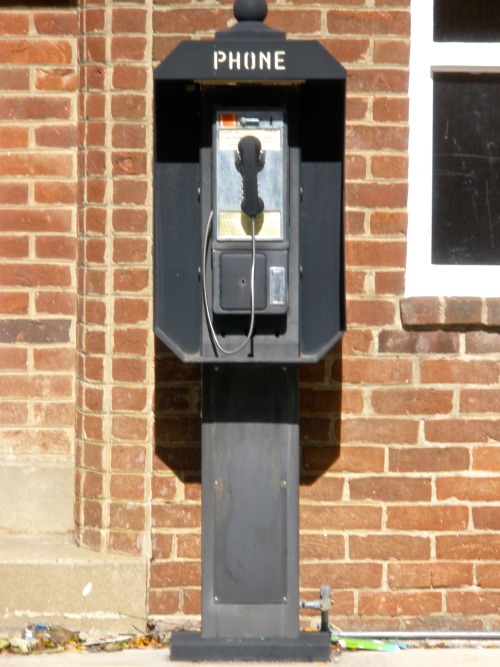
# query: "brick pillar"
114, 330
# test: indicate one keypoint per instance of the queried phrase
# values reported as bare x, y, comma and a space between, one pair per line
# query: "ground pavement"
414, 657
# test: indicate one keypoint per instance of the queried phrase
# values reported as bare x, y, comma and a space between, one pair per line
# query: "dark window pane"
466, 169
466, 20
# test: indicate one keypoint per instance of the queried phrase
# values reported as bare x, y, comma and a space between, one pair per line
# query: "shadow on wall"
320, 404
178, 416
177, 409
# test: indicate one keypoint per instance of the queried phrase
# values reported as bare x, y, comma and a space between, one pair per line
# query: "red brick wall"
400, 492
38, 194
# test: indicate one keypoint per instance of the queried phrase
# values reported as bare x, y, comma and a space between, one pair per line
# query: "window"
466, 21
466, 169
454, 175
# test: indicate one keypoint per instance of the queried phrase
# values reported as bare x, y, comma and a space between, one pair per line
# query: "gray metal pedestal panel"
250, 475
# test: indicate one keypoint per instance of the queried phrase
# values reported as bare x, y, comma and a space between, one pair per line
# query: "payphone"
249, 282
249, 262
248, 230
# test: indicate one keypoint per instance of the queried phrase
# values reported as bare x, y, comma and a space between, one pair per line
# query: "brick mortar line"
150, 387
83, 208
108, 295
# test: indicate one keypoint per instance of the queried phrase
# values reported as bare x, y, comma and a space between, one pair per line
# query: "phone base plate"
306, 647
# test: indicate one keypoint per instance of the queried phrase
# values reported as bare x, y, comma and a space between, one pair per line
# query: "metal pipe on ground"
417, 634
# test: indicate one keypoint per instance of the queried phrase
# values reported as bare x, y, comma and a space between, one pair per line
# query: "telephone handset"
249, 204
249, 156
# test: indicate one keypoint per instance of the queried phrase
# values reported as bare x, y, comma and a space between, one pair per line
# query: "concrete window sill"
451, 313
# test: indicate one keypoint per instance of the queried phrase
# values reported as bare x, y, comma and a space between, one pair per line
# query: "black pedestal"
250, 526
250, 503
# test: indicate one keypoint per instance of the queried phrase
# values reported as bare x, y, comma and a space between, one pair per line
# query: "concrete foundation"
36, 496
49, 580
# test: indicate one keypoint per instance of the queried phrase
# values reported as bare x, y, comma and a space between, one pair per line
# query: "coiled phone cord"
213, 335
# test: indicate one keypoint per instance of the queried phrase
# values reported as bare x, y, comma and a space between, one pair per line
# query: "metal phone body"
232, 235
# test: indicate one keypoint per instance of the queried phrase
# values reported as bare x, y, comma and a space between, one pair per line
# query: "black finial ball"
250, 10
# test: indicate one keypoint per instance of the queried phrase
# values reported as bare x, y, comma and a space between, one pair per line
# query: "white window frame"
422, 277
